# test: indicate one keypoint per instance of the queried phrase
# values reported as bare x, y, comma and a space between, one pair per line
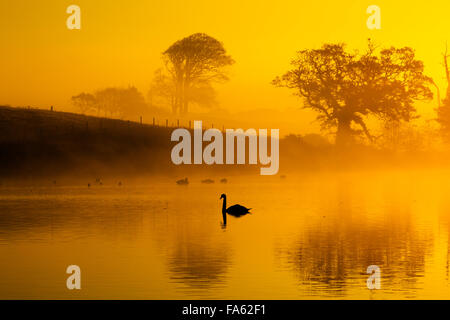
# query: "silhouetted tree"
195, 61
84, 101
444, 118
132, 103
162, 90
107, 101
443, 110
345, 88
127, 102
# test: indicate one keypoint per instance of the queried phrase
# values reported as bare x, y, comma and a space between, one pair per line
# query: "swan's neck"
224, 205
224, 210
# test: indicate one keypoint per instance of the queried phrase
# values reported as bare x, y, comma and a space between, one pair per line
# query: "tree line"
191, 66
344, 88
122, 102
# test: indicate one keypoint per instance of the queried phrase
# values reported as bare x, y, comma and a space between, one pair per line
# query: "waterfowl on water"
224, 180
235, 210
183, 181
208, 181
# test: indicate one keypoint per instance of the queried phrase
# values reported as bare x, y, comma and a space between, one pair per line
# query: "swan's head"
223, 196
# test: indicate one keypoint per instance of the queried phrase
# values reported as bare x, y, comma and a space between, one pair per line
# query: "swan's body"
235, 210
208, 181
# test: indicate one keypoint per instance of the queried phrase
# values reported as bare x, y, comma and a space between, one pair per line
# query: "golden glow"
120, 43
309, 236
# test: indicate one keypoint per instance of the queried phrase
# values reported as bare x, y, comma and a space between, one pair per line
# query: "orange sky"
120, 43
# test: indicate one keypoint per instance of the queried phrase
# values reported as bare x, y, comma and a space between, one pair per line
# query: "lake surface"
309, 237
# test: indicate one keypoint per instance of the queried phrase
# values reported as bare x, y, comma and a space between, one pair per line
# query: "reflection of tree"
444, 218
198, 256
31, 218
331, 252
198, 264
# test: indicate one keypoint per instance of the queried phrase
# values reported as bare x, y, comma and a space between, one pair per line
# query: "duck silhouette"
235, 210
183, 182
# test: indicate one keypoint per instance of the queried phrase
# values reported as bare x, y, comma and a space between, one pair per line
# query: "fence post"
189, 124
167, 123
141, 119
153, 121
178, 123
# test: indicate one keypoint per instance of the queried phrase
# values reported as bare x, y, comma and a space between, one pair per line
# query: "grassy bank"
41, 143
47, 143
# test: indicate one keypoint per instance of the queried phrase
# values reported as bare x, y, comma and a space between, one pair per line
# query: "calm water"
308, 237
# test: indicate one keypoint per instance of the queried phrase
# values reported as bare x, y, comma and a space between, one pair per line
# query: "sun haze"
120, 44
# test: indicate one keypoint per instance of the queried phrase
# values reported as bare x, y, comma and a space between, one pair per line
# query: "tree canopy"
123, 102
84, 101
344, 88
194, 63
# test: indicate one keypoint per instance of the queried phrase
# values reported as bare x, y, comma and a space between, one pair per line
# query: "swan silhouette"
235, 210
